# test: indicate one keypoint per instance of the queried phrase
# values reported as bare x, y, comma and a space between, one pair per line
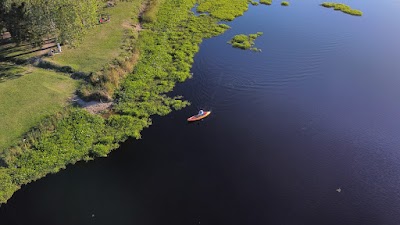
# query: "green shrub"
284, 3
245, 42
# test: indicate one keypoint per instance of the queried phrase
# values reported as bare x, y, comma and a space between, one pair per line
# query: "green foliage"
284, 3
167, 48
266, 2
33, 20
223, 9
150, 15
58, 141
7, 187
224, 26
15, 18
342, 7
245, 42
253, 2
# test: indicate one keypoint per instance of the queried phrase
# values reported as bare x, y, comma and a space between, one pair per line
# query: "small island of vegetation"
223, 9
342, 7
266, 2
253, 2
284, 3
245, 42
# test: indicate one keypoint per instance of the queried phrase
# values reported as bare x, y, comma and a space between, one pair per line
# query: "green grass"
27, 99
284, 3
266, 2
245, 42
342, 7
102, 43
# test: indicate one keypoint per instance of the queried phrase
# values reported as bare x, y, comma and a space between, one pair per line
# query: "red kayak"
199, 116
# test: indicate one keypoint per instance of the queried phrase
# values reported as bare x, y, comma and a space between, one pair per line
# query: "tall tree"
34, 20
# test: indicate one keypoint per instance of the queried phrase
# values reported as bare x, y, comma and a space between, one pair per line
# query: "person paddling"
201, 112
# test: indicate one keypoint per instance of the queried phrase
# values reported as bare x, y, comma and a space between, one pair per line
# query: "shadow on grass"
29, 52
10, 71
10, 51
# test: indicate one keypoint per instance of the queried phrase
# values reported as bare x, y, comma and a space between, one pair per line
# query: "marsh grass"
245, 42
342, 7
284, 3
253, 2
266, 2
223, 9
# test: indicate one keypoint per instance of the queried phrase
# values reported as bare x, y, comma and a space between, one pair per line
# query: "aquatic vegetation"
284, 3
167, 47
253, 2
245, 42
266, 2
223, 9
224, 26
342, 7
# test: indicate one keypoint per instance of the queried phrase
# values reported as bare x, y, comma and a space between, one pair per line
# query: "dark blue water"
317, 110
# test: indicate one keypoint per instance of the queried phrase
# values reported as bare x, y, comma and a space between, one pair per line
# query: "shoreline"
76, 135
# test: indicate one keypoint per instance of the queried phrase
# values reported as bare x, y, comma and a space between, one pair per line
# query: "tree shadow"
10, 51
32, 51
10, 71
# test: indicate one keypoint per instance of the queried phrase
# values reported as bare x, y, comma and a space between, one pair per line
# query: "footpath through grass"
101, 44
27, 98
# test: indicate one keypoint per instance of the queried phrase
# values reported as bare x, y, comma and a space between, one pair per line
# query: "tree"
34, 20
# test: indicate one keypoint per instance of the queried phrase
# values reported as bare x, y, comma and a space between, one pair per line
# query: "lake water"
317, 110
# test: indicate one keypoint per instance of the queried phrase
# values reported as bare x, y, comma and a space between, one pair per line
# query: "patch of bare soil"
93, 107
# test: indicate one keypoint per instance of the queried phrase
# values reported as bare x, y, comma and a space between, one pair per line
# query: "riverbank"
20, 63
167, 46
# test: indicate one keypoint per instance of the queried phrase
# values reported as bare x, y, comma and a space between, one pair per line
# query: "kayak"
198, 116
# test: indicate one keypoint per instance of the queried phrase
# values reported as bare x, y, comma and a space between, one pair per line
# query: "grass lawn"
29, 96
102, 43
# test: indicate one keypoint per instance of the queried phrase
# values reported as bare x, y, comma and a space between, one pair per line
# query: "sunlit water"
317, 110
